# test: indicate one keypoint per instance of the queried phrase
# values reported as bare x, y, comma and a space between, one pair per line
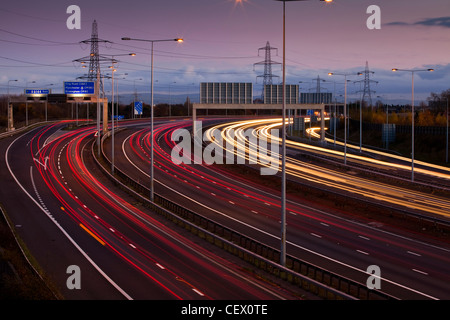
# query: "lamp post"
10, 111
170, 99
135, 97
283, 139
446, 136
113, 62
112, 115
412, 71
46, 105
117, 101
345, 107
151, 108
26, 103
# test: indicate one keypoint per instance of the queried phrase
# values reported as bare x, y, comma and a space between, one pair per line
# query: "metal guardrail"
309, 277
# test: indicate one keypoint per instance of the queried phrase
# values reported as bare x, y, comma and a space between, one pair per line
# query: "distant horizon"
224, 41
180, 98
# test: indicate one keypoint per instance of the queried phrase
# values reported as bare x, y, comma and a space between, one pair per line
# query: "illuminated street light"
345, 107
412, 112
151, 110
283, 135
113, 62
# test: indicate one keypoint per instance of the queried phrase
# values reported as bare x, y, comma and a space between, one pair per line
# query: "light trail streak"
90, 221
191, 257
196, 177
329, 178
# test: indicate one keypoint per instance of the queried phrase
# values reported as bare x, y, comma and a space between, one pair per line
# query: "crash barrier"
309, 277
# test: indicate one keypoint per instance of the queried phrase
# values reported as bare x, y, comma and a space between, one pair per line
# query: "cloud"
443, 22
435, 22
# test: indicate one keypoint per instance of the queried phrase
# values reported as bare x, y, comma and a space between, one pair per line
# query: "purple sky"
222, 39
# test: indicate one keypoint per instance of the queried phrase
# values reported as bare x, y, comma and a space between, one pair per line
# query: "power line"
268, 62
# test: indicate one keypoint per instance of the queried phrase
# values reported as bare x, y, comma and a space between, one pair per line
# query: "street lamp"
345, 107
412, 112
170, 99
135, 97
151, 108
283, 139
113, 62
26, 103
10, 111
112, 115
446, 137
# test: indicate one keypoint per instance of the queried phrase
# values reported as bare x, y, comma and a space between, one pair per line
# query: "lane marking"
413, 253
268, 233
198, 292
160, 266
92, 234
48, 214
419, 271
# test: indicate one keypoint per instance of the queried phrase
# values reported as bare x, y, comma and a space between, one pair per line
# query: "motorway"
69, 214
353, 185
411, 266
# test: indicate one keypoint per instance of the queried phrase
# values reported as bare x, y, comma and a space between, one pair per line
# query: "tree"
438, 102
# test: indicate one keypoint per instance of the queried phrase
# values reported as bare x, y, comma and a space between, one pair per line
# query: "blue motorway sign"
37, 91
138, 107
79, 87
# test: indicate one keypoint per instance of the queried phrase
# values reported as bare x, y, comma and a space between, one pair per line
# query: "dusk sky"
221, 42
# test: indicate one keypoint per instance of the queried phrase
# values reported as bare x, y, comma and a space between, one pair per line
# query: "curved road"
411, 267
68, 215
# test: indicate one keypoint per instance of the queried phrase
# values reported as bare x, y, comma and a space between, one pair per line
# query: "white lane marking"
48, 214
267, 233
419, 271
363, 252
198, 292
160, 266
316, 235
365, 238
414, 253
